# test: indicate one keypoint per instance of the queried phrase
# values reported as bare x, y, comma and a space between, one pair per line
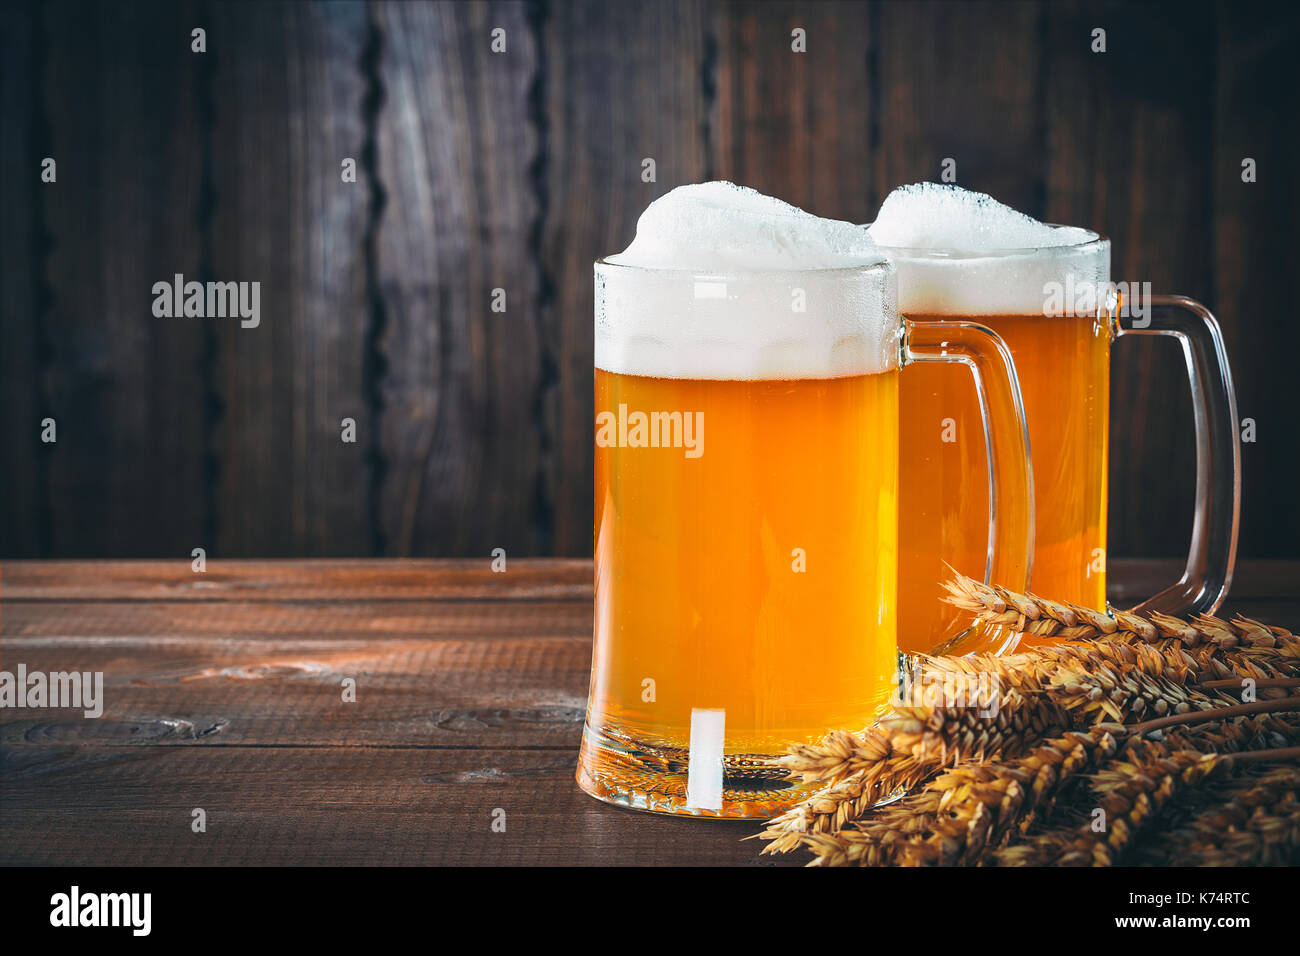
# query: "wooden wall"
479, 170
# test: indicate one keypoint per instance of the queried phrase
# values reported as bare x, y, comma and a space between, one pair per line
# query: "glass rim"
884, 266
1090, 240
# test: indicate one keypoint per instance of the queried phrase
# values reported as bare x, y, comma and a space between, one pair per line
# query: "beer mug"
1054, 306
747, 520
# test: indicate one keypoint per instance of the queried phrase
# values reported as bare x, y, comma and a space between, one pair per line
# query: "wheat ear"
907, 747
1029, 614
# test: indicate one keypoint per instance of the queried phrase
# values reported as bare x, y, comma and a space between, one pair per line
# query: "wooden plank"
464, 708
620, 83
1128, 148
798, 125
23, 145
515, 683
315, 580
346, 806
456, 140
124, 387
280, 626
490, 675
455, 579
962, 81
1257, 98
287, 90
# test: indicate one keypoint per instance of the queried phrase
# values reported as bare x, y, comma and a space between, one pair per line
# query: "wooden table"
224, 691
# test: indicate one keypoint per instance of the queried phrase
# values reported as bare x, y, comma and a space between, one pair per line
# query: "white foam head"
723, 282
964, 253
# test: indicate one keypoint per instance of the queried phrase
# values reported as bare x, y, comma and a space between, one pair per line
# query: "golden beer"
1063, 366
1046, 290
746, 528
757, 578
1050, 307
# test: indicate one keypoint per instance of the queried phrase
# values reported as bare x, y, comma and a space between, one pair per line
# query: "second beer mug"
746, 502
1046, 291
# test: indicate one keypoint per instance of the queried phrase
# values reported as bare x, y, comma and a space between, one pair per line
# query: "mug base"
638, 776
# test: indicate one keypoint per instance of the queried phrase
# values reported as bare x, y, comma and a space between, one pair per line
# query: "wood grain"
286, 93
23, 528
1254, 269
123, 387
962, 81
455, 579
471, 691
340, 806
464, 709
514, 170
514, 683
318, 580
618, 84
798, 124
1129, 135
461, 446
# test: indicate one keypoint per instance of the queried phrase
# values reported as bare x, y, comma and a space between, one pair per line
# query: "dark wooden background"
515, 170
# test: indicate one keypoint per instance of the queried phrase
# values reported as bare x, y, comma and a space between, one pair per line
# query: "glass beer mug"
746, 520
1055, 309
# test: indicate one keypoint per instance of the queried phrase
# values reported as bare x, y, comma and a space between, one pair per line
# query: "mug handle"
1217, 513
1006, 438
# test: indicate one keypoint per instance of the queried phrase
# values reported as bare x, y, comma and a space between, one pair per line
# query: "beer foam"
724, 282
722, 226
964, 253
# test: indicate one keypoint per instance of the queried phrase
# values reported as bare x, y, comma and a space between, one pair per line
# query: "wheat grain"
1127, 714
1128, 793
1130, 790
968, 814
1253, 821
1094, 682
904, 749
1039, 617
